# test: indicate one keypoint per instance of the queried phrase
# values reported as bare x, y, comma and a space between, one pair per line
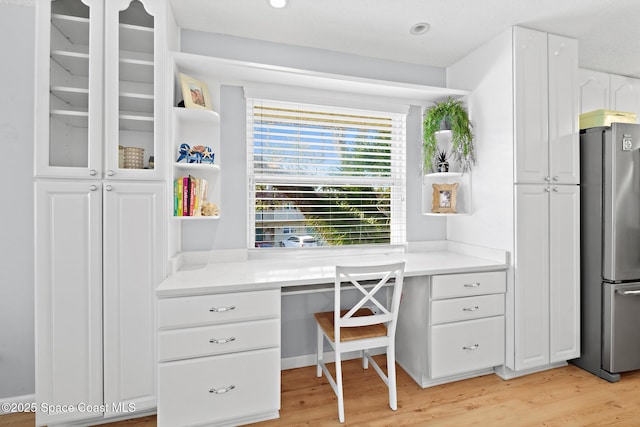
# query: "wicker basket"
133, 158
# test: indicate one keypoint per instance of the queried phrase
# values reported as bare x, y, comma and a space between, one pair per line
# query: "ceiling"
608, 31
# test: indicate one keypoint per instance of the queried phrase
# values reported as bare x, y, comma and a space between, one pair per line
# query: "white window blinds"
324, 175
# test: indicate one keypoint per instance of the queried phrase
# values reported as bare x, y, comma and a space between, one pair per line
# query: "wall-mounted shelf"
463, 192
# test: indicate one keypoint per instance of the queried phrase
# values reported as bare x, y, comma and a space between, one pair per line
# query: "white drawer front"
462, 285
193, 392
219, 308
467, 346
456, 309
219, 339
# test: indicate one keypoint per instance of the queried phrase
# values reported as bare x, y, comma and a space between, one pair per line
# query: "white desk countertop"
273, 273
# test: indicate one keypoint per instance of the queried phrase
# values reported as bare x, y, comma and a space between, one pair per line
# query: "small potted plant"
435, 119
442, 164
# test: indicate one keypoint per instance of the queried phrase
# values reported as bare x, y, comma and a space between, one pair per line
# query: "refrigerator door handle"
627, 293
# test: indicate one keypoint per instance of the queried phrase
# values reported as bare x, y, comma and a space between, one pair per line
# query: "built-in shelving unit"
197, 127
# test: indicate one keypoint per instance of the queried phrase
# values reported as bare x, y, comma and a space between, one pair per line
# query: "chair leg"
339, 392
391, 377
365, 361
319, 352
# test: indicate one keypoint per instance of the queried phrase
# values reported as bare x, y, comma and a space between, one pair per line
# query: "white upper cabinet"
133, 113
97, 87
564, 126
69, 75
531, 106
546, 116
625, 94
594, 90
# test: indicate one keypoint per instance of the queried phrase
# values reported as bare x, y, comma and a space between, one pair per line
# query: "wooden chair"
367, 325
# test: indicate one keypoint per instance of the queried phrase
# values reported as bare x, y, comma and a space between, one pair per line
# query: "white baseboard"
329, 357
20, 401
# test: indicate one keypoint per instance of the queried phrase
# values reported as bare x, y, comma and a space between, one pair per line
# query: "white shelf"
136, 38
136, 67
197, 218
196, 115
77, 97
197, 167
78, 119
76, 63
463, 192
74, 28
135, 121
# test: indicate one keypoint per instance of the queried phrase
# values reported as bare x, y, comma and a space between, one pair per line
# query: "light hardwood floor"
564, 397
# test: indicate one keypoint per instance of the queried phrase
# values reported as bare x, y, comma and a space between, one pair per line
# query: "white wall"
17, 24
262, 52
487, 73
230, 231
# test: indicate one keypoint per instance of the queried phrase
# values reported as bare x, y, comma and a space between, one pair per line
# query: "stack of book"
189, 195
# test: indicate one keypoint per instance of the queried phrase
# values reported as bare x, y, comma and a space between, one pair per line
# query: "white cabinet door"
531, 287
134, 104
134, 220
68, 303
564, 143
68, 114
625, 94
564, 282
531, 106
593, 87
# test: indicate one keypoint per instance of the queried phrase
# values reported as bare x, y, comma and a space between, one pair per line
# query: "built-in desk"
219, 324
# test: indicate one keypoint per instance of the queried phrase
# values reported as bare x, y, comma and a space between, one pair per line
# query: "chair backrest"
349, 277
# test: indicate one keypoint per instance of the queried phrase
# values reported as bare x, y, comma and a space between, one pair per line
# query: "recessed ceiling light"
419, 28
278, 4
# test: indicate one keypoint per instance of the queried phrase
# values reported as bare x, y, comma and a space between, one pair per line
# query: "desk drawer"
219, 308
467, 346
456, 309
463, 285
219, 339
247, 384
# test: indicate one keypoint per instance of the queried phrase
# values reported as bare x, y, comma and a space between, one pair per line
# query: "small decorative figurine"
209, 209
184, 153
208, 155
197, 154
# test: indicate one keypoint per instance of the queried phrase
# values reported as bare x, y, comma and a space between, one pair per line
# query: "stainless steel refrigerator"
610, 250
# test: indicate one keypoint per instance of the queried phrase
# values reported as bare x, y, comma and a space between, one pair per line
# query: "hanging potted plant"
447, 115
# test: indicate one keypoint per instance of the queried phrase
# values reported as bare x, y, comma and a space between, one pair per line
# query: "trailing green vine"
462, 149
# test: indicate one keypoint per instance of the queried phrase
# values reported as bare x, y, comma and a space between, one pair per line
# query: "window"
324, 175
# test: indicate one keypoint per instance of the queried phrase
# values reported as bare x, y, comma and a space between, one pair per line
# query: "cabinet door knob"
222, 340
222, 390
555, 189
471, 347
108, 188
547, 178
110, 172
93, 187
222, 309
556, 178
548, 190
92, 172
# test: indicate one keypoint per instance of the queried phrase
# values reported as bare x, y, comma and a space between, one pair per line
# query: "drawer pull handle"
222, 340
222, 390
474, 308
222, 309
471, 347
472, 285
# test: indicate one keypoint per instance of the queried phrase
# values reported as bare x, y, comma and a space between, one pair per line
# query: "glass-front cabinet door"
97, 87
69, 75
131, 148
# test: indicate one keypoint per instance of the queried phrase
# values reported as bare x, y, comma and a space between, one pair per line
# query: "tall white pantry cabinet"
525, 97
99, 216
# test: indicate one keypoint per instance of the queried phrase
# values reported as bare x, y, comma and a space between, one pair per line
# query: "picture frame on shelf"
444, 198
195, 93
